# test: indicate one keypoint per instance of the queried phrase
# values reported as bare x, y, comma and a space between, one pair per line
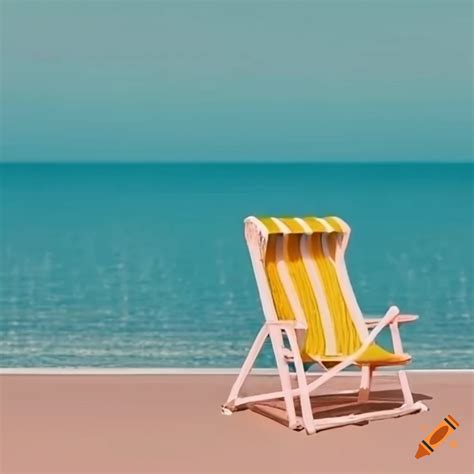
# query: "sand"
172, 423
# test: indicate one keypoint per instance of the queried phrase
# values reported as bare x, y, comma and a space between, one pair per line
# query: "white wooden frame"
278, 330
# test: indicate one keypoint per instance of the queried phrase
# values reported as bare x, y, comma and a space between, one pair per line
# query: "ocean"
124, 265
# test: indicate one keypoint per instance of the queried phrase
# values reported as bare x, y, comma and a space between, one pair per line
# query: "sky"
189, 81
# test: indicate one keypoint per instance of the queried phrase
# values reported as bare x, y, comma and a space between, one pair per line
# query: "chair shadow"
334, 405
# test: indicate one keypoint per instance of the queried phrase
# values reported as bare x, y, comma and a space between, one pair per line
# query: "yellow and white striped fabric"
304, 264
304, 225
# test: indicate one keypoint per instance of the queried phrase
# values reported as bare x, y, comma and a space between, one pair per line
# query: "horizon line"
242, 162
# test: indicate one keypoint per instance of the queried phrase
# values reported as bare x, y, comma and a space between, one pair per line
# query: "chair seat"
375, 356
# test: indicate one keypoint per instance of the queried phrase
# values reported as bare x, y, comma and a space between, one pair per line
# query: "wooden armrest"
371, 322
286, 322
281, 322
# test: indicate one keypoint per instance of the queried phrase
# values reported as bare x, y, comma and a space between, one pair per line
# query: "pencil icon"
436, 437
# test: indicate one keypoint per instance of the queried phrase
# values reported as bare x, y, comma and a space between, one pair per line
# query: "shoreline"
194, 371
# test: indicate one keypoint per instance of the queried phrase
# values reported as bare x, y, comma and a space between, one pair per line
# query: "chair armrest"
400, 319
282, 323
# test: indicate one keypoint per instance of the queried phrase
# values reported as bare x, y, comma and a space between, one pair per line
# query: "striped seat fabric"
306, 272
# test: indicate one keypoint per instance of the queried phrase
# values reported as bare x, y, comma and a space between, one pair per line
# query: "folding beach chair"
312, 316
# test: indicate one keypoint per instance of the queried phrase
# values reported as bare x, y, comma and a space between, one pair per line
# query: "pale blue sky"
237, 81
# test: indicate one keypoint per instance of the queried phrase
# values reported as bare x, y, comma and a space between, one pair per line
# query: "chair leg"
245, 370
365, 383
305, 400
402, 376
284, 372
407, 395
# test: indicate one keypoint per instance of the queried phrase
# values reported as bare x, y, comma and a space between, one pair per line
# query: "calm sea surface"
146, 265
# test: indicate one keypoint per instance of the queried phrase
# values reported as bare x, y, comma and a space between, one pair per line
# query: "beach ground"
172, 423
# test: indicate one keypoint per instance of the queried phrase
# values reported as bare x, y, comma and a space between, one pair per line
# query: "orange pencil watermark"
436, 437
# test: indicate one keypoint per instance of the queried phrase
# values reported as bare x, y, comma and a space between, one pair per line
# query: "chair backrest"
301, 275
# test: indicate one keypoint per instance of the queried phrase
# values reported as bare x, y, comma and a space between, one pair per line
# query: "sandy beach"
172, 423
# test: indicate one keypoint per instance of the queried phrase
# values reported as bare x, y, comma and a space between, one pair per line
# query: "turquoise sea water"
146, 266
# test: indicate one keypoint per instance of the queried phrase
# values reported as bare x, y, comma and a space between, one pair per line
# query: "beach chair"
312, 316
